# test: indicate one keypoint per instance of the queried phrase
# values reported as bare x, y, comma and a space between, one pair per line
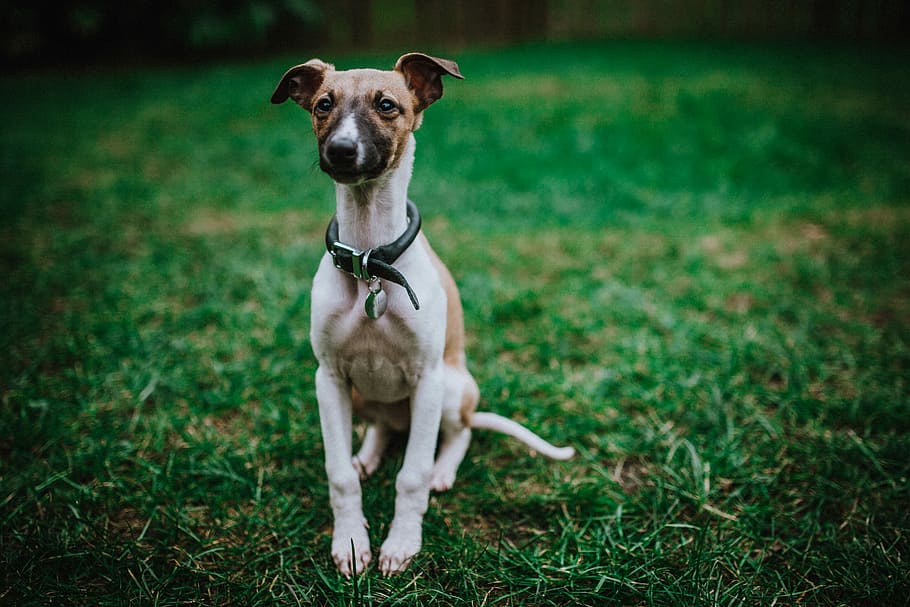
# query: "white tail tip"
562, 453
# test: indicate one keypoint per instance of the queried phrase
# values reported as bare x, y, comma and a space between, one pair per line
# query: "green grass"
689, 261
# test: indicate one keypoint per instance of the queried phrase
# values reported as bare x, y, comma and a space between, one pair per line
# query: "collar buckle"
357, 263
359, 260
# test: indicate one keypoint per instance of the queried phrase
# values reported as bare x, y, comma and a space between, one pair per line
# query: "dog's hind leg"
375, 441
453, 445
454, 436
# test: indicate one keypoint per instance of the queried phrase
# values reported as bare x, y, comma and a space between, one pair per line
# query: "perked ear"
301, 82
424, 76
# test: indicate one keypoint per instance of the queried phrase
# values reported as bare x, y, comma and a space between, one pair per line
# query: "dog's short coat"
406, 370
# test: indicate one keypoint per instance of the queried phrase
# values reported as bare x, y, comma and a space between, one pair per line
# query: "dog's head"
363, 118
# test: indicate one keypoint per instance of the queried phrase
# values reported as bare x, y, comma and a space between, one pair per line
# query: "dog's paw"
442, 479
397, 551
365, 466
351, 548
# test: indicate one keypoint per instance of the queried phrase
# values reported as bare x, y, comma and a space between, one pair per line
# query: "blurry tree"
50, 31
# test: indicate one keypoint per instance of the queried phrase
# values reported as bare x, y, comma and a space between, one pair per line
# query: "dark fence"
472, 21
46, 31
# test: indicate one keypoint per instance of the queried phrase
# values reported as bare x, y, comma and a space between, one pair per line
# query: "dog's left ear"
423, 75
301, 82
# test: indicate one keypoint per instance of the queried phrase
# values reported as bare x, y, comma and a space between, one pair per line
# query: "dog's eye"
324, 105
386, 106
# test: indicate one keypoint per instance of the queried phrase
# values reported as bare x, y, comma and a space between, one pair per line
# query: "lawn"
689, 261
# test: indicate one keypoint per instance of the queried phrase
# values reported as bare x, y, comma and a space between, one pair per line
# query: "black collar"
375, 263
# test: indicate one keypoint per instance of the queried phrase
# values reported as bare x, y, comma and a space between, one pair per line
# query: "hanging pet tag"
376, 301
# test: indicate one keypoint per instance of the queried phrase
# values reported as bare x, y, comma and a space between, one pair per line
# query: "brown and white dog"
400, 367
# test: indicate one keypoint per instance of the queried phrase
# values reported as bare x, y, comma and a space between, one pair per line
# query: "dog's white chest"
382, 368
382, 358
379, 379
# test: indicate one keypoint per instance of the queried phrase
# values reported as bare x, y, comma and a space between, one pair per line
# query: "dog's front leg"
350, 542
412, 484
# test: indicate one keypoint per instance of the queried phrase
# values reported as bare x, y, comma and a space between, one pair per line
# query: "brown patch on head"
363, 118
377, 105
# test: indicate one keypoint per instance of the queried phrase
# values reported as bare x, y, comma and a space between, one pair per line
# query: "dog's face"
363, 118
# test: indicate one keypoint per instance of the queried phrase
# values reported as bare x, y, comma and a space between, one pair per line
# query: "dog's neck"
374, 213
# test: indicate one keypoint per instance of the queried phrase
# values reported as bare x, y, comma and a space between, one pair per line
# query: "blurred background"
47, 32
681, 230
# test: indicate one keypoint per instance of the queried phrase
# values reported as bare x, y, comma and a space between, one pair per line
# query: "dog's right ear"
423, 75
301, 82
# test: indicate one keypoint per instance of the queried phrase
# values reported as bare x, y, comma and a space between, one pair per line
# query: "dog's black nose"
341, 151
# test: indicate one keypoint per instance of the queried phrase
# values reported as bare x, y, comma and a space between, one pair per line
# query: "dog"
386, 318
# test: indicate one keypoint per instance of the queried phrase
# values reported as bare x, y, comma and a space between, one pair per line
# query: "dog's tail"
483, 420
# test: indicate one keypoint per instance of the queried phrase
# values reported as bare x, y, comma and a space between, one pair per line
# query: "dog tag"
376, 301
